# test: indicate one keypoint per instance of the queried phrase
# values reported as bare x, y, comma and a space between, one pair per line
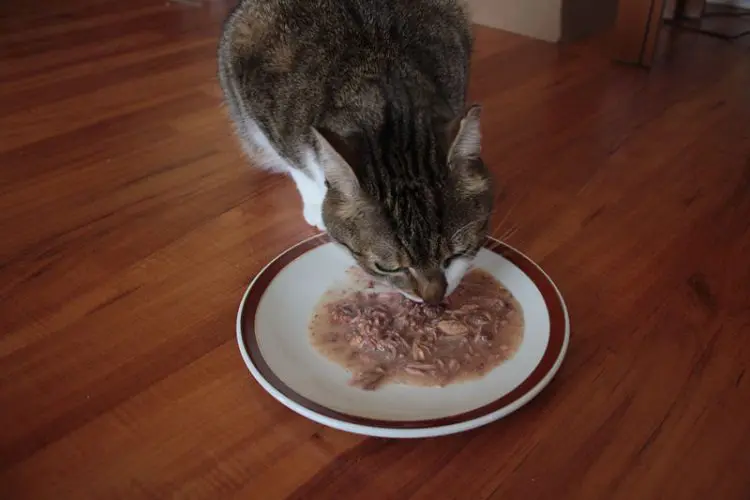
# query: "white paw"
314, 216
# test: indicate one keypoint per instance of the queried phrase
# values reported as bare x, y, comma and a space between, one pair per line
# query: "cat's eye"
387, 270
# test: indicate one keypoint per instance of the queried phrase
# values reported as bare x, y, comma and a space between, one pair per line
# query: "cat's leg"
311, 185
308, 177
313, 193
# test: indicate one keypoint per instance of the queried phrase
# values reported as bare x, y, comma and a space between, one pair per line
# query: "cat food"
385, 338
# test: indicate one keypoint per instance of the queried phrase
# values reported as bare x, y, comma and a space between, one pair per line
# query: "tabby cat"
362, 103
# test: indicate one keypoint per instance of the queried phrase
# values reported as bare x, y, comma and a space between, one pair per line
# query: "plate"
272, 334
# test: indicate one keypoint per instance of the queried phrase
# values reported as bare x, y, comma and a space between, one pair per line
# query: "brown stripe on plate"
554, 346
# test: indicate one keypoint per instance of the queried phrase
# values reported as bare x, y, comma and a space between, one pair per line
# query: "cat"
363, 104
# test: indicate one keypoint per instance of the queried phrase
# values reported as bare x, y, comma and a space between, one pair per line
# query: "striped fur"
362, 102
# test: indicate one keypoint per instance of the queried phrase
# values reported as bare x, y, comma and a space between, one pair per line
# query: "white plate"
273, 338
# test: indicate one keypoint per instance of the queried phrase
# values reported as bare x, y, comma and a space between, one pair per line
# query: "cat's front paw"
314, 216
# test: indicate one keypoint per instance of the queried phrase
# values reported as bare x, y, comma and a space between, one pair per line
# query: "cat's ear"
465, 136
335, 154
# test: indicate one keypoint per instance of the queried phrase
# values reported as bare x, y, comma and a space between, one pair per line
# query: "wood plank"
131, 224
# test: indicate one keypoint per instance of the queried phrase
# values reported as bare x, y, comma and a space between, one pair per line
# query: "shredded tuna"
384, 337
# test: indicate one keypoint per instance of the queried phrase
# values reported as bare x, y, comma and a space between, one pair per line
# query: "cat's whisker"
468, 224
510, 232
493, 244
505, 218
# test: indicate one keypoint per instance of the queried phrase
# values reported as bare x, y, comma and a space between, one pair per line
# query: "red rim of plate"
555, 347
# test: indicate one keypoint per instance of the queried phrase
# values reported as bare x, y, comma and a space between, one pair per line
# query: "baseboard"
743, 4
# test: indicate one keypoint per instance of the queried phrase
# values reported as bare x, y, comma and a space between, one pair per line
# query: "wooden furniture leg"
637, 30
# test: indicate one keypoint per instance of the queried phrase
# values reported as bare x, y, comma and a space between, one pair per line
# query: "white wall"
534, 18
550, 20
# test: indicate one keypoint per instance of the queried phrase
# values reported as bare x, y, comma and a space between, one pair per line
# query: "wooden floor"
130, 225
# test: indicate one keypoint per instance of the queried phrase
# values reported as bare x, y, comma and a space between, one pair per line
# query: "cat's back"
283, 35
289, 65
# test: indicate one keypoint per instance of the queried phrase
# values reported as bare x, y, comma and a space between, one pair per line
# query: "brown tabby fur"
370, 96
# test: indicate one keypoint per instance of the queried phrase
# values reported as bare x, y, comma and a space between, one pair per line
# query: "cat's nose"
433, 291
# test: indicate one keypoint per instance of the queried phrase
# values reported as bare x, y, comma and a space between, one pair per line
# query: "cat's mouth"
383, 286
454, 275
411, 297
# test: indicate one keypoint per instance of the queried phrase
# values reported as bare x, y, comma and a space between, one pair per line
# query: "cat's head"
413, 205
